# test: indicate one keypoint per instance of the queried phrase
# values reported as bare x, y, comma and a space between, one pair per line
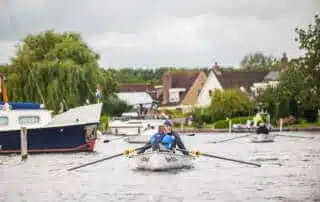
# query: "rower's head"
162, 129
169, 125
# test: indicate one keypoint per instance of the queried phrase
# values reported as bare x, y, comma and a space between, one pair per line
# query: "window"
4, 120
28, 120
210, 92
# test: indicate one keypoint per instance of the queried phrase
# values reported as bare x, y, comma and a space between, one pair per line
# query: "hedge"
237, 120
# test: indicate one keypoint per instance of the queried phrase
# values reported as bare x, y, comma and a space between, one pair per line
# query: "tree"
258, 61
309, 67
51, 67
229, 103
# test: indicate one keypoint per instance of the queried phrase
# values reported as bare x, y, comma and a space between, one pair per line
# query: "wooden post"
181, 126
24, 143
230, 126
281, 123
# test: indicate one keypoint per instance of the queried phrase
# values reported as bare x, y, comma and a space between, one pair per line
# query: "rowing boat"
158, 161
262, 138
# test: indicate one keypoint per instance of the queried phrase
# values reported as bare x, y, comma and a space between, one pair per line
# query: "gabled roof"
236, 79
182, 79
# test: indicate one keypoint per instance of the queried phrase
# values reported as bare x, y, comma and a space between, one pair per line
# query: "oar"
198, 153
192, 134
294, 136
108, 140
230, 139
125, 152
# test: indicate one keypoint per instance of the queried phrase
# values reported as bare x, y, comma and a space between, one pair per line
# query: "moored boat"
159, 161
71, 131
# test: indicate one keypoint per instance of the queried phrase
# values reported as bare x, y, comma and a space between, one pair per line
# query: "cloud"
163, 33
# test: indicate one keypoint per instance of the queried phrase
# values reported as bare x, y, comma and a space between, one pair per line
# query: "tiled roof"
180, 79
136, 87
236, 79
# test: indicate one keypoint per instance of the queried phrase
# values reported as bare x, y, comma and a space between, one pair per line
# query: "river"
290, 172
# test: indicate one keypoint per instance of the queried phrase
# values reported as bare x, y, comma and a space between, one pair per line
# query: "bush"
175, 113
104, 123
229, 103
237, 120
200, 116
287, 121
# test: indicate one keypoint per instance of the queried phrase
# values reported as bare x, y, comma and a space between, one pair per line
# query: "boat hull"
73, 138
262, 138
160, 161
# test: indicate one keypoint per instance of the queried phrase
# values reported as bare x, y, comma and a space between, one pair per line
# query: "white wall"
212, 83
174, 94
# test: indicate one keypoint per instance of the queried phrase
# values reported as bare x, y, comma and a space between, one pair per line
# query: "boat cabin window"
28, 120
4, 120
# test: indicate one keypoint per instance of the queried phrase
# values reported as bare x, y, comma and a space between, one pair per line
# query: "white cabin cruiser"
29, 115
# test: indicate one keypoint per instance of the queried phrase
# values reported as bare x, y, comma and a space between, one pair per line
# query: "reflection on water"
290, 172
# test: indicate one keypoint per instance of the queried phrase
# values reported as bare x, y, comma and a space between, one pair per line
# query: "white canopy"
135, 98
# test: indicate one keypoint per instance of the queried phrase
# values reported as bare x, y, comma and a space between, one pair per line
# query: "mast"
4, 91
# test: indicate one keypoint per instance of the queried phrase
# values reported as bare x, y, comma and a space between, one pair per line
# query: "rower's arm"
180, 144
145, 147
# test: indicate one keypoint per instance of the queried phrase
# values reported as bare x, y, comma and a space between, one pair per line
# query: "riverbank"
212, 130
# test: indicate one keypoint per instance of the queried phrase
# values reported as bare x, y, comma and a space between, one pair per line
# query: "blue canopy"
22, 105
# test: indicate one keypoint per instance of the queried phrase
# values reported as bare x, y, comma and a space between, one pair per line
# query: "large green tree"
309, 67
298, 92
51, 67
258, 61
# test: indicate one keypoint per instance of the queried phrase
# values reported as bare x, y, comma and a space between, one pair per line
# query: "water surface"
290, 172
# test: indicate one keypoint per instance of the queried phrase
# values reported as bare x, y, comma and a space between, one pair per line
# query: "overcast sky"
154, 33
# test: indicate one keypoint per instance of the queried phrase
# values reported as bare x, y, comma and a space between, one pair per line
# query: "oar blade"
294, 136
230, 139
94, 162
126, 152
234, 160
219, 157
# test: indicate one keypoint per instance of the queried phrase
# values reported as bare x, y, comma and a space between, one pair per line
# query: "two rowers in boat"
164, 140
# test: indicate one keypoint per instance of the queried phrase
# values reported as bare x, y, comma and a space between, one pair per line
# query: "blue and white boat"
71, 131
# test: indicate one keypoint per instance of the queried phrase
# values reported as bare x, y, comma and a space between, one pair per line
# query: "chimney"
216, 68
284, 60
167, 81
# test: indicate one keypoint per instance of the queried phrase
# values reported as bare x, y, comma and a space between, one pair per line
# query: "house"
227, 79
181, 88
270, 80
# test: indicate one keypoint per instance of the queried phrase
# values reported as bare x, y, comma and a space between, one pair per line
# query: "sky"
157, 33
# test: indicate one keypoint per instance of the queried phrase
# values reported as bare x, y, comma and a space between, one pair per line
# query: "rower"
262, 128
160, 141
178, 140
